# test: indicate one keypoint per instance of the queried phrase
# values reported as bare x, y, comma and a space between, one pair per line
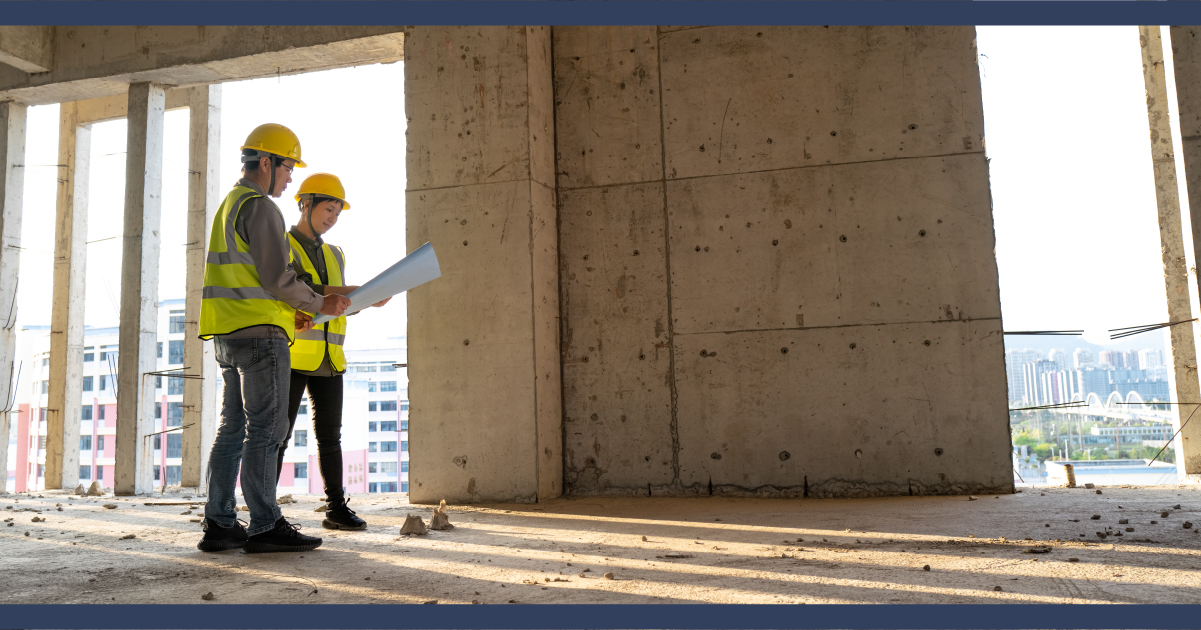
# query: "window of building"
387, 368
41, 442
45, 361
41, 414
387, 486
388, 425
100, 473
404, 425
371, 427
45, 387
103, 355
103, 383
158, 442
373, 487
387, 405
174, 385
174, 475
372, 406
387, 386
175, 324
85, 442
373, 386
158, 382
301, 438
362, 368
85, 473
404, 406
404, 446
102, 407
87, 383
387, 447
160, 350
174, 414
373, 447
174, 446
41, 470
301, 471
404, 466
175, 352
158, 410
371, 467
85, 413
100, 444
404, 486
157, 472
304, 410
87, 358
388, 468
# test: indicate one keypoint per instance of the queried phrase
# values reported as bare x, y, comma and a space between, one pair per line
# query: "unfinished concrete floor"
726, 550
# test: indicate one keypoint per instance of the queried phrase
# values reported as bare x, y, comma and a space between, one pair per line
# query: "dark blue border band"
594, 12
570, 617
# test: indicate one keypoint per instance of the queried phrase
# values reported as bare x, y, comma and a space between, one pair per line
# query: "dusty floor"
729, 551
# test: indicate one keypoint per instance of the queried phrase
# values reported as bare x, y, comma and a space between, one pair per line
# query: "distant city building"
1149, 359
1015, 360
1110, 359
1082, 358
1061, 358
1037, 389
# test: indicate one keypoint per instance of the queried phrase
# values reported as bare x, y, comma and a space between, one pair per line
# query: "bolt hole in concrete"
921, 233
938, 452
859, 453
785, 455
853, 346
926, 342
783, 350
842, 238
715, 455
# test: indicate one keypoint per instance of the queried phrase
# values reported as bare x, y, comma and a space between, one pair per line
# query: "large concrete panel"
467, 99
855, 411
471, 358
616, 355
743, 99
606, 91
876, 242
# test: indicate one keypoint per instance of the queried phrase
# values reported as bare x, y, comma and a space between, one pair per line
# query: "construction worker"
318, 361
252, 304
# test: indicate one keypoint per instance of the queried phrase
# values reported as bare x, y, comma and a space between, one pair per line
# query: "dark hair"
315, 199
253, 156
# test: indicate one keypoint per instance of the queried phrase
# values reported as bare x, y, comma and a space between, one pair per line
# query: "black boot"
283, 537
339, 516
218, 538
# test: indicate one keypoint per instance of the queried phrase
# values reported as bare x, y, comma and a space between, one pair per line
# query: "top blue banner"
581, 12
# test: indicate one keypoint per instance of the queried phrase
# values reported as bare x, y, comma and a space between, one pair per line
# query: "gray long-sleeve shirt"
261, 225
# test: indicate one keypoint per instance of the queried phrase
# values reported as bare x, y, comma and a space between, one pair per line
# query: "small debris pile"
440, 520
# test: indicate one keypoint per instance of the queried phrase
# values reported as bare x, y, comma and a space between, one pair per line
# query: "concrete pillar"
1175, 270
204, 195
484, 344
1186, 61
63, 416
12, 184
139, 290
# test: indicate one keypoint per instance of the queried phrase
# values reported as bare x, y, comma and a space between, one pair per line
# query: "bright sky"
350, 122
1066, 130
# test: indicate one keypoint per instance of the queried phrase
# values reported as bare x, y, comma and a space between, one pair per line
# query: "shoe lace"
344, 506
292, 529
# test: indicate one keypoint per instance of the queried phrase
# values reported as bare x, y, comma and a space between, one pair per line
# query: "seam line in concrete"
752, 330
767, 170
671, 351
562, 318
529, 54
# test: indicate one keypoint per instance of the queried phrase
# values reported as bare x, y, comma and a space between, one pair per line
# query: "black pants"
325, 402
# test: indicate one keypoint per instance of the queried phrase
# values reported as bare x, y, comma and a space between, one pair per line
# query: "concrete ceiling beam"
29, 49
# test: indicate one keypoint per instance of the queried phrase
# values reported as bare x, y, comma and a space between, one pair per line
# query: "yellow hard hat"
325, 185
275, 139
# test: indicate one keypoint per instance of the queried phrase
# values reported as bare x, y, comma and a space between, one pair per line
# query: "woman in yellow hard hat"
318, 361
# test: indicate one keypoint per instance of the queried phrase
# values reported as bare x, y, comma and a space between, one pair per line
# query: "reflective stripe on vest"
311, 346
233, 297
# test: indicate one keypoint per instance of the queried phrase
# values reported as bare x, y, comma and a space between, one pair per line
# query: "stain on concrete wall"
776, 262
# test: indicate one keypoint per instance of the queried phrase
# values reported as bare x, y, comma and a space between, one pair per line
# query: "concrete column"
483, 351
1175, 270
66, 320
139, 290
204, 195
1186, 61
12, 183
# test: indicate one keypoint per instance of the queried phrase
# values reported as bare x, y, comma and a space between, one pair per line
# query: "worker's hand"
335, 305
381, 302
304, 322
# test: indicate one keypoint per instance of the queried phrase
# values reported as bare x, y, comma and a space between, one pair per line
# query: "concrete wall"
777, 263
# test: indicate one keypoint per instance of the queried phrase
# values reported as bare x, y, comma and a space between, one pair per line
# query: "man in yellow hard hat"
318, 361
253, 304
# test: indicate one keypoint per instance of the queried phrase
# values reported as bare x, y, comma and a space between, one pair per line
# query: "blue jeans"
254, 423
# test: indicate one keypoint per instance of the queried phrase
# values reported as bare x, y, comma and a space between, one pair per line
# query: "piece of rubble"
1073, 559
321, 508
185, 512
37, 519
1155, 522
1098, 492
439, 520
1089, 486
432, 601
60, 509
287, 498
926, 568
94, 490
80, 490
970, 498
997, 588
1038, 550
1188, 524
194, 520
1123, 521
1096, 517
243, 508
581, 575
414, 525
644, 539
208, 597
609, 576
1176, 507
128, 537
110, 506
1129, 529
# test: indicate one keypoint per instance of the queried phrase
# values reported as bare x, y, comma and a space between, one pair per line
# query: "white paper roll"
411, 271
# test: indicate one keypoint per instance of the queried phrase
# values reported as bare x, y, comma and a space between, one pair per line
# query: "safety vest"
311, 345
233, 295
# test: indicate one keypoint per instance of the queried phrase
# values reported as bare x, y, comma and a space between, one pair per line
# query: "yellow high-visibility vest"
233, 295
311, 345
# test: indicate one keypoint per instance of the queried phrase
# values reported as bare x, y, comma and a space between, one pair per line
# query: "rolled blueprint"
411, 271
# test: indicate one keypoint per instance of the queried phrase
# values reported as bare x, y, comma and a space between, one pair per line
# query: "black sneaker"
283, 537
218, 538
339, 516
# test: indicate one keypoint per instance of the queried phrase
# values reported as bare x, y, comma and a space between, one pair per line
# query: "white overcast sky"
350, 122
1066, 133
